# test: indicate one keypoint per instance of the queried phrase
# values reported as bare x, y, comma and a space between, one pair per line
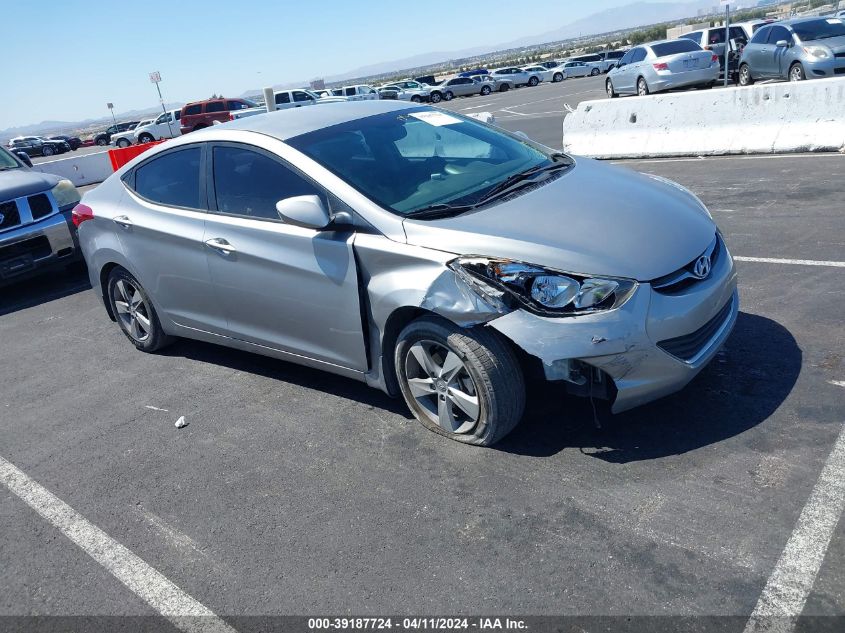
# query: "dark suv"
104, 138
200, 114
38, 146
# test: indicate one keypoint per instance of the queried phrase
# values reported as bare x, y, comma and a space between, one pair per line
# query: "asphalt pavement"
296, 492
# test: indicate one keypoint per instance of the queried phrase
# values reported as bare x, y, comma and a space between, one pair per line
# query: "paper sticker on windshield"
435, 118
834, 21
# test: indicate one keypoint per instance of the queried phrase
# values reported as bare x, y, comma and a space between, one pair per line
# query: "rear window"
675, 48
819, 29
172, 179
193, 109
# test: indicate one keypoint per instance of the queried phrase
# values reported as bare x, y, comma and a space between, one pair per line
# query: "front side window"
248, 183
779, 33
172, 178
214, 106
760, 35
412, 160
300, 96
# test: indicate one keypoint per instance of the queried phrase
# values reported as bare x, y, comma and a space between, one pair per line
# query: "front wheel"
449, 95
611, 91
416, 99
436, 97
122, 142
485, 90
145, 138
558, 77
745, 78
102, 142
796, 73
504, 88
594, 72
465, 384
642, 87
134, 311
533, 81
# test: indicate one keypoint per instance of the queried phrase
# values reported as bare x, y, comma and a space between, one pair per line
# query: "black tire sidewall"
157, 338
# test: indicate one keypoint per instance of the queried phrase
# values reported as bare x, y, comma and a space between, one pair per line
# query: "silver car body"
694, 67
776, 49
577, 69
518, 76
333, 299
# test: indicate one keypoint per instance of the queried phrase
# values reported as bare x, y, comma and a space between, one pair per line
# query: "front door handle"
219, 244
123, 220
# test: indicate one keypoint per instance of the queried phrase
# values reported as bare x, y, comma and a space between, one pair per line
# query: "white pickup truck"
284, 99
165, 126
359, 92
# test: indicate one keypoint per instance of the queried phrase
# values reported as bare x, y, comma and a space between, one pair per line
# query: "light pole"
155, 77
727, 6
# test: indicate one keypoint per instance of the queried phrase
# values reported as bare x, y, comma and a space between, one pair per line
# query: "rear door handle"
123, 220
219, 244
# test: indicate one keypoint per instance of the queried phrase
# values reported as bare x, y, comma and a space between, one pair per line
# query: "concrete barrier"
806, 116
87, 169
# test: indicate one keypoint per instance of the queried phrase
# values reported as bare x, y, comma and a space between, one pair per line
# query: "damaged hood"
596, 219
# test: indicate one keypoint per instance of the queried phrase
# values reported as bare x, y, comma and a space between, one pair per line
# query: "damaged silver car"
422, 252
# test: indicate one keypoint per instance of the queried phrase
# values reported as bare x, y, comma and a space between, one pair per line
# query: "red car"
200, 114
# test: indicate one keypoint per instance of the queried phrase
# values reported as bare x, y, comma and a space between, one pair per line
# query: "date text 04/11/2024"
411, 623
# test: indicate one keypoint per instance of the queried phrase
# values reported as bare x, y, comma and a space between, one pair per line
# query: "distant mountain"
624, 17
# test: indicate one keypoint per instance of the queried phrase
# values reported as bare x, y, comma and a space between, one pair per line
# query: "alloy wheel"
132, 311
796, 73
642, 88
442, 386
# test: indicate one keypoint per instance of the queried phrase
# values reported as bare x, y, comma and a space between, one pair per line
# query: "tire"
47, 151
745, 78
594, 72
488, 378
122, 142
706, 86
642, 87
201, 126
449, 95
485, 90
611, 91
796, 72
101, 142
504, 88
139, 323
146, 138
533, 81
558, 77
416, 99
436, 97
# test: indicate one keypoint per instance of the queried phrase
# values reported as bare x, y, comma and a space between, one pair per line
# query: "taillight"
661, 66
80, 213
231, 117
715, 58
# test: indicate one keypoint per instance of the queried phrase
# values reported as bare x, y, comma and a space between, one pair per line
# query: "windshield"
7, 161
411, 160
819, 29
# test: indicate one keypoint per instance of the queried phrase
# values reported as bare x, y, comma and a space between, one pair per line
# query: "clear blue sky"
96, 51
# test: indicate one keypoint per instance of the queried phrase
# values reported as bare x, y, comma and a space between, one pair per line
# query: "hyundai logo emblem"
701, 269
2, 217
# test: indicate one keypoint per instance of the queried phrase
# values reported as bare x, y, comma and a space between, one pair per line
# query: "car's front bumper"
37, 246
623, 343
815, 68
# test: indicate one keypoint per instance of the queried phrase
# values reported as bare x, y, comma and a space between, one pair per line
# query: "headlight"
542, 291
65, 193
817, 51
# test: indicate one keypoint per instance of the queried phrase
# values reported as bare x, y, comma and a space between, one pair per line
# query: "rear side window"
214, 106
695, 36
282, 97
248, 183
193, 109
172, 179
638, 55
761, 35
675, 48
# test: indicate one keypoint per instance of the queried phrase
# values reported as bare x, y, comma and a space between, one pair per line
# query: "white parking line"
476, 107
793, 262
690, 159
146, 582
837, 383
785, 594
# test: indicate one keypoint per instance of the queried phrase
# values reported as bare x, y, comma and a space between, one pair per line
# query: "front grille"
38, 247
839, 55
690, 345
683, 278
839, 71
40, 206
11, 216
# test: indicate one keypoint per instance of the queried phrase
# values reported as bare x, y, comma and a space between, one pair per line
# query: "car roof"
285, 124
810, 18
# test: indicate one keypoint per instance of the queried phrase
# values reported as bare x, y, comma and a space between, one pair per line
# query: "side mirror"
305, 211
782, 44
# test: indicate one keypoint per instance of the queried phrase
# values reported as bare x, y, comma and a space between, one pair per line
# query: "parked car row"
39, 146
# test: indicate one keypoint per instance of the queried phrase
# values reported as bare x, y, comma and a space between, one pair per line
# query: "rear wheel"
436, 97
416, 99
745, 78
504, 88
796, 73
464, 384
642, 87
611, 91
533, 81
558, 77
47, 150
122, 142
134, 312
449, 95
594, 72
485, 90
201, 126
706, 86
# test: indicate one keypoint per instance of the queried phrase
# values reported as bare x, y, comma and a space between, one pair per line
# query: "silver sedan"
664, 65
418, 251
